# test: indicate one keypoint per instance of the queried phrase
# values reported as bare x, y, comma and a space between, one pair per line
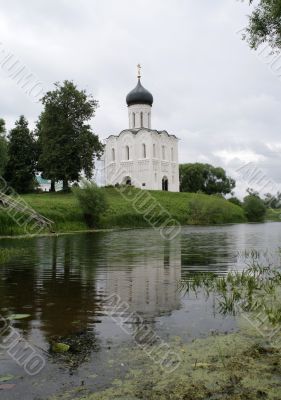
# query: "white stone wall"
147, 170
135, 119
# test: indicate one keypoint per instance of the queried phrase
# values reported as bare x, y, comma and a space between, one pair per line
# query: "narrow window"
163, 152
134, 120
154, 150
144, 150
141, 119
172, 154
113, 154
149, 121
127, 153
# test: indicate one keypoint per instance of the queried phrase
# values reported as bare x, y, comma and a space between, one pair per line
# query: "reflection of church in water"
150, 284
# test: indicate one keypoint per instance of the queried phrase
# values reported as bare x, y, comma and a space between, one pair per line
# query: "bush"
92, 202
254, 208
235, 200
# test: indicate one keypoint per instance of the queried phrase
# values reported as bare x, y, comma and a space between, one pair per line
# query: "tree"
254, 208
205, 178
67, 144
271, 201
20, 169
265, 24
3, 147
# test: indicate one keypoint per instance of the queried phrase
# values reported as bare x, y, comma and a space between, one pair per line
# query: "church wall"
149, 170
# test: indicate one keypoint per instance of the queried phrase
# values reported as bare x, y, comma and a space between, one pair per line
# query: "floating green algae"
240, 366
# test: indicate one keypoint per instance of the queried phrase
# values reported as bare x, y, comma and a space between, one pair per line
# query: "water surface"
62, 283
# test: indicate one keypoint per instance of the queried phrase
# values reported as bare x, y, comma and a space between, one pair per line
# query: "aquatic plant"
255, 289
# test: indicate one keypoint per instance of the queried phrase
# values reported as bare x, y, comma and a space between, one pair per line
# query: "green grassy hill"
126, 210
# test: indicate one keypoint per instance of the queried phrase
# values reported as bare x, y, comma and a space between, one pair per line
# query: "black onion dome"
139, 95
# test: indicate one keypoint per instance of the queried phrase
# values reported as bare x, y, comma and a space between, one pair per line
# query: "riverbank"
186, 208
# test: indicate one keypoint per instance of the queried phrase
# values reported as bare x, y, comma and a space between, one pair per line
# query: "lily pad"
17, 316
6, 378
60, 347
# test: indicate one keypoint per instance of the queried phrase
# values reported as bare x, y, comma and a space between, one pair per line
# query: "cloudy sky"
220, 98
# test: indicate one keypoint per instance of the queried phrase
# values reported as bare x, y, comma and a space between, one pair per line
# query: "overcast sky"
220, 98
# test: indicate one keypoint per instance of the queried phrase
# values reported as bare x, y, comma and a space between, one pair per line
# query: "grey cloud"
219, 97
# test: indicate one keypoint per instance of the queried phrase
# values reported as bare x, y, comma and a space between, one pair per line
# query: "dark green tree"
3, 147
21, 166
264, 24
67, 143
205, 178
254, 208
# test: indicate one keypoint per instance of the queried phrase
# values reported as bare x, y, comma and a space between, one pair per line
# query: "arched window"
134, 120
172, 154
127, 152
113, 154
163, 153
149, 124
141, 119
154, 150
144, 150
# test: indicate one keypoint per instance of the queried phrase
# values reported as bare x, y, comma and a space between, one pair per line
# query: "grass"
186, 208
273, 215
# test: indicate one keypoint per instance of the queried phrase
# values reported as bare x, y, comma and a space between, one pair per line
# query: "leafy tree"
3, 147
67, 144
252, 192
265, 24
20, 169
254, 208
205, 178
92, 202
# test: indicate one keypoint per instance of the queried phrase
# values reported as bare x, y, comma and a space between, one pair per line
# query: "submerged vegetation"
186, 208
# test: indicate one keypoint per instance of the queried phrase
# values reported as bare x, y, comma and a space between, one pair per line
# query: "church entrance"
127, 181
165, 184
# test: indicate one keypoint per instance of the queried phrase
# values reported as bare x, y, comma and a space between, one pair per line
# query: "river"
62, 284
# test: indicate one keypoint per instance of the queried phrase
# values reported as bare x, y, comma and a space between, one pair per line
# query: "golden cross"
139, 70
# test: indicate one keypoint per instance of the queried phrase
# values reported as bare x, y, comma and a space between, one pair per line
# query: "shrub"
235, 201
254, 208
92, 202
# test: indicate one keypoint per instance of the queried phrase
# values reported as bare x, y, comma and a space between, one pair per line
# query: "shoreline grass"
186, 208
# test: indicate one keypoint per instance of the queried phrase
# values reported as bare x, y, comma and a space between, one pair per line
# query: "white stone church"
141, 156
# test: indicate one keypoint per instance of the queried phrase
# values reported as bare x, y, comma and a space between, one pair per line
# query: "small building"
141, 156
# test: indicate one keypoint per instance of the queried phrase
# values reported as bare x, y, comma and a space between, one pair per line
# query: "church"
141, 156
